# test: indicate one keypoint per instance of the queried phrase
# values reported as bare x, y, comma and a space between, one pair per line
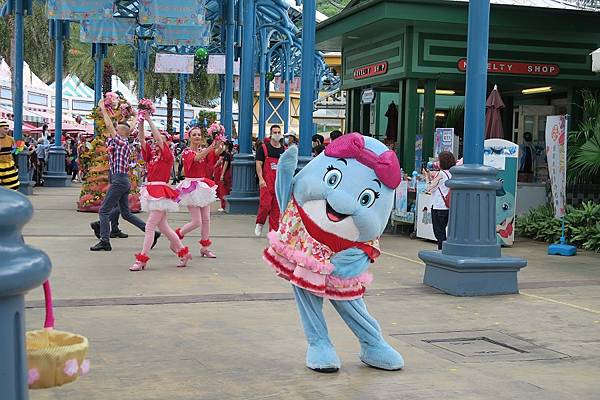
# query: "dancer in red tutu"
157, 197
197, 191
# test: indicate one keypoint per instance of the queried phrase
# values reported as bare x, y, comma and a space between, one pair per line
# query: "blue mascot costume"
336, 208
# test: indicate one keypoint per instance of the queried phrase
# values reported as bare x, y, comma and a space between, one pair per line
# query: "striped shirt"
119, 155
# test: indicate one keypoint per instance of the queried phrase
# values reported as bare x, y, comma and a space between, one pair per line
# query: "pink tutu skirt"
158, 196
197, 192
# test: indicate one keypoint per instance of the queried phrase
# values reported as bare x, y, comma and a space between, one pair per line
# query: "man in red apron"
267, 157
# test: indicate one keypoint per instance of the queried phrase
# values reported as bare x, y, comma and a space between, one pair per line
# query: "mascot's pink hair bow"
352, 145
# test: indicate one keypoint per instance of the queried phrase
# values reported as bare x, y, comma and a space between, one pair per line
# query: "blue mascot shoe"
321, 357
382, 356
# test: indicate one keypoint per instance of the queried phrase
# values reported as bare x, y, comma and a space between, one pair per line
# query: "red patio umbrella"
493, 116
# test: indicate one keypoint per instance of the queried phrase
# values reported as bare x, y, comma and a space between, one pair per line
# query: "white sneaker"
258, 230
221, 209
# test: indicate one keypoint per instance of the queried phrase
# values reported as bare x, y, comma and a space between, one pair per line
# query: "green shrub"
582, 225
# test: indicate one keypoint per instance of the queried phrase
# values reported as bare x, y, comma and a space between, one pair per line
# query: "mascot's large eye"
333, 177
368, 197
505, 206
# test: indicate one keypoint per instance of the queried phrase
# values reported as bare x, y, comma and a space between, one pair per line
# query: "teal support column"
470, 263
411, 124
262, 96
399, 147
307, 90
99, 52
429, 118
22, 268
56, 176
19, 7
182, 86
244, 192
355, 105
141, 65
227, 100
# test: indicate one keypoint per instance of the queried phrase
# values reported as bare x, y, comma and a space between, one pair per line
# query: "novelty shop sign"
515, 68
368, 71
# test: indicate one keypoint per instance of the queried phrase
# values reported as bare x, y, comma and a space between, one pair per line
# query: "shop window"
81, 105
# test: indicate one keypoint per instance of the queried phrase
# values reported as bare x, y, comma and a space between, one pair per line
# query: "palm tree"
584, 144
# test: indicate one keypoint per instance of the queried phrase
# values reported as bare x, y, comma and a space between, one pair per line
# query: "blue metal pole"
262, 99
307, 91
98, 71
222, 94
247, 79
58, 81
18, 100
227, 99
287, 75
471, 262
182, 82
230, 33
141, 65
23, 268
476, 85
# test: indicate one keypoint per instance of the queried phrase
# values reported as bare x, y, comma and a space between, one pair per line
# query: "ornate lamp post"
470, 263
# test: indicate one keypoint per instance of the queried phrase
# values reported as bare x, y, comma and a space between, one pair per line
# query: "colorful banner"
175, 35
443, 140
556, 152
113, 31
279, 84
504, 156
402, 197
418, 152
174, 63
179, 12
75, 10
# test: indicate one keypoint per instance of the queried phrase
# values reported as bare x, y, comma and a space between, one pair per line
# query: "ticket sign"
368, 71
515, 68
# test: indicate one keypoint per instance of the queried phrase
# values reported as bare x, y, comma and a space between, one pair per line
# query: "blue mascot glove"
350, 263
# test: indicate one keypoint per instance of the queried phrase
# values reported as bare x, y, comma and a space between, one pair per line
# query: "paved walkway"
228, 328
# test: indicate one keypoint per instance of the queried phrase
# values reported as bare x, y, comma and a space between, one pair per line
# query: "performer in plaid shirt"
119, 152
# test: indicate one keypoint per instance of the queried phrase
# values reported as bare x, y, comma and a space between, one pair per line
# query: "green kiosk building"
407, 59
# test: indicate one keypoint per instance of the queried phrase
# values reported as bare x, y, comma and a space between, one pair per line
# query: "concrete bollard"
22, 268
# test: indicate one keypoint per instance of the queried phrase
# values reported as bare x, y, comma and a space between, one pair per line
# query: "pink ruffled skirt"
197, 192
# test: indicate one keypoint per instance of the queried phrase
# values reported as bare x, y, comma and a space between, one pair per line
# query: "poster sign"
402, 197
176, 35
556, 152
515, 68
174, 63
418, 152
367, 97
368, 71
236, 84
112, 30
443, 140
279, 84
178, 12
76, 10
424, 221
502, 153
216, 65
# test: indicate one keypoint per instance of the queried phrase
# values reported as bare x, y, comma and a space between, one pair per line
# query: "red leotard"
159, 164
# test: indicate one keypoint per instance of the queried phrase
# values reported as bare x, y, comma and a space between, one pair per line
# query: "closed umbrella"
493, 117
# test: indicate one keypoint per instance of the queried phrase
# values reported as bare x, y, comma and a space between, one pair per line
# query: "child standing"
157, 197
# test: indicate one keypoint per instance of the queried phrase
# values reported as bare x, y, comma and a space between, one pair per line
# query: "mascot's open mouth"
333, 215
505, 229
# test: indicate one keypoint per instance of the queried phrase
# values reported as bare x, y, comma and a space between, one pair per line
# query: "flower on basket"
85, 367
33, 376
71, 367
145, 107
